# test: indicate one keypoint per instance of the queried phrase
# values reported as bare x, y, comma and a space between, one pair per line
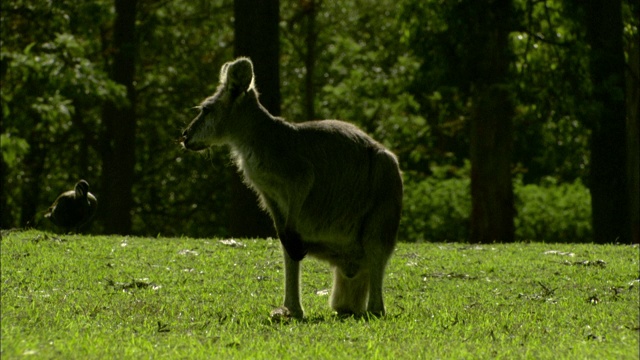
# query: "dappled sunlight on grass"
71, 296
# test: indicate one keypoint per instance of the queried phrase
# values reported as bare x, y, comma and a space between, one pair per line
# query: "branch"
540, 37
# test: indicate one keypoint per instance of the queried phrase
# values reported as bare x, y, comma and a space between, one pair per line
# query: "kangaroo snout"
186, 141
182, 140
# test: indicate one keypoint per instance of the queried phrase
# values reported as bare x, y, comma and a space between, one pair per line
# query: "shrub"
553, 212
438, 209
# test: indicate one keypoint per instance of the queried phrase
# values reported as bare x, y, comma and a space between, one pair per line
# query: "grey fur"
332, 191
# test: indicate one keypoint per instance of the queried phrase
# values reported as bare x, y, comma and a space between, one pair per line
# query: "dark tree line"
609, 191
492, 198
494, 82
117, 146
257, 37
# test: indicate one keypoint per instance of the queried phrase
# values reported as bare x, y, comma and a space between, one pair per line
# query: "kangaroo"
332, 191
74, 208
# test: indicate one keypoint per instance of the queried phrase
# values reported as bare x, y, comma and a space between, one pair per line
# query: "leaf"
163, 327
13, 148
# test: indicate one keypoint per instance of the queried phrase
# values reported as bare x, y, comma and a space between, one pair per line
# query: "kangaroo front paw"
283, 314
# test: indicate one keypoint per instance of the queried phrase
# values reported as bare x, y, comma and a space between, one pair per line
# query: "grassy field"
95, 297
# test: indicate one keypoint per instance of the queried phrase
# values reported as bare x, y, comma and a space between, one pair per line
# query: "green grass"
93, 297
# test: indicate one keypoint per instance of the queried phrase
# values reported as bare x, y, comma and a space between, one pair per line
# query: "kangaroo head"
82, 189
219, 113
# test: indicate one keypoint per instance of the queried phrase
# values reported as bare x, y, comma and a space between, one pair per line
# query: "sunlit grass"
69, 296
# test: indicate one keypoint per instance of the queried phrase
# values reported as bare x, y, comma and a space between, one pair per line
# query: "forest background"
527, 109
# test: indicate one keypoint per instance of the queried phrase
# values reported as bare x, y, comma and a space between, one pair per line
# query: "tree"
492, 210
305, 14
51, 81
182, 45
608, 186
633, 121
257, 37
119, 136
342, 60
406, 77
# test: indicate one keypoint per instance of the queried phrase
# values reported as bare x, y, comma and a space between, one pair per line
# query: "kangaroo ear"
239, 75
82, 188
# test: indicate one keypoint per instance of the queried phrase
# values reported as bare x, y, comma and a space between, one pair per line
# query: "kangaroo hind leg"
379, 239
349, 294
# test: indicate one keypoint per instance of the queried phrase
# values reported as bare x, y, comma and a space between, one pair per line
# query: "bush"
553, 212
438, 209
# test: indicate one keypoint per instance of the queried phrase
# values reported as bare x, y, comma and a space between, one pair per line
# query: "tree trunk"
310, 10
118, 139
492, 209
609, 191
633, 131
6, 218
34, 168
257, 37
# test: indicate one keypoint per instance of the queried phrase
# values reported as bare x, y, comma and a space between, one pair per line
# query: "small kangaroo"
332, 191
74, 208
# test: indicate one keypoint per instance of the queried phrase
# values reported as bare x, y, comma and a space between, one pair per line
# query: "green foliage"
438, 209
550, 83
553, 212
12, 149
392, 67
74, 297
52, 87
362, 73
377, 100
183, 45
